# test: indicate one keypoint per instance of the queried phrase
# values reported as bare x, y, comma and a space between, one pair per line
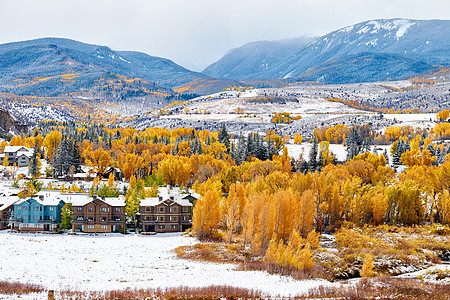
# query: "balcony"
47, 221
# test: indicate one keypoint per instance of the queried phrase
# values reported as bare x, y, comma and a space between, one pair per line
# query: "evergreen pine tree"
386, 156
312, 164
355, 144
224, 138
34, 162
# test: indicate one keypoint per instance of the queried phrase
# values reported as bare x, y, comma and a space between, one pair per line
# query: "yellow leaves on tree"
128, 163
175, 170
206, 216
99, 159
444, 114
367, 267
51, 143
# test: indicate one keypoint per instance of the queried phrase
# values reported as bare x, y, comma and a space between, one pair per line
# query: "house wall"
96, 214
163, 218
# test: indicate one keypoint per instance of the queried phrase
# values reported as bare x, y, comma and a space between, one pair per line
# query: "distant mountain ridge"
35, 67
252, 60
416, 45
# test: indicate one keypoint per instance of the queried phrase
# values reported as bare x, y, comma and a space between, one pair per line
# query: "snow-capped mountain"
418, 45
252, 60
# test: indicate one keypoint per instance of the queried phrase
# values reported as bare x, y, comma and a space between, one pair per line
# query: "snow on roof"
47, 201
120, 201
26, 153
155, 201
5, 202
77, 199
8, 191
150, 201
11, 149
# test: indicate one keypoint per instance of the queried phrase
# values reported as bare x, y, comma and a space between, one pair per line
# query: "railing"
46, 221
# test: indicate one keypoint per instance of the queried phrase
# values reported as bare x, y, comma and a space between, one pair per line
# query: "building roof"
26, 153
48, 201
6, 202
12, 149
8, 191
82, 199
155, 201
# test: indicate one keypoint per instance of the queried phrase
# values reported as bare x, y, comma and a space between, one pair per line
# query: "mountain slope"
35, 67
252, 60
426, 40
365, 67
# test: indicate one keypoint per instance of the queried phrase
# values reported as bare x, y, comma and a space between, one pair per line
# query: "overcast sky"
195, 33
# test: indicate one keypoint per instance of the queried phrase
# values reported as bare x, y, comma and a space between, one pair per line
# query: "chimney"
94, 197
103, 198
41, 197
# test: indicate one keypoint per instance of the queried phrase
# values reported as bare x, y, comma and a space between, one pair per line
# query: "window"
116, 218
25, 208
161, 227
174, 226
91, 219
117, 209
162, 209
51, 208
18, 207
161, 219
104, 219
104, 209
79, 208
90, 227
25, 217
147, 218
36, 208
36, 218
36, 226
185, 209
90, 208
18, 217
147, 208
104, 226
175, 219
174, 209
80, 218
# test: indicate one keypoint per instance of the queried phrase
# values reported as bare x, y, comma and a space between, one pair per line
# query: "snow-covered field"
116, 261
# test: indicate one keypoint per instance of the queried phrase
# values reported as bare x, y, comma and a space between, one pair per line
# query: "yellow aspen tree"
306, 258
313, 239
367, 267
206, 215
271, 252
306, 213
111, 180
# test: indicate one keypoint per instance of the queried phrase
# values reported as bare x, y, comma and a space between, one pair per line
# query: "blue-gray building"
37, 213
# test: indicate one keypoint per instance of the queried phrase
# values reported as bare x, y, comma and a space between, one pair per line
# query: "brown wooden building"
98, 215
170, 212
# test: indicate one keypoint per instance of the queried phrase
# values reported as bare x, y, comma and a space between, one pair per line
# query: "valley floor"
115, 261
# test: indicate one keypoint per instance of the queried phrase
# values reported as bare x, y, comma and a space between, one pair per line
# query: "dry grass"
272, 268
382, 288
214, 252
183, 292
19, 288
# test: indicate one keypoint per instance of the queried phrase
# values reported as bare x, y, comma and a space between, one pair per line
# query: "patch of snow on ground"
115, 261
